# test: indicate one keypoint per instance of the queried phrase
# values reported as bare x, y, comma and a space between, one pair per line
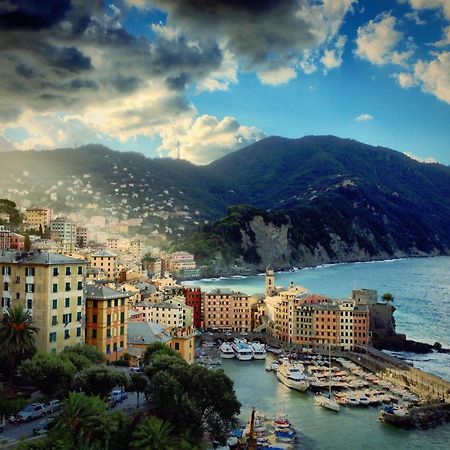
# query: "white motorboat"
259, 350
290, 376
275, 366
364, 401
322, 400
226, 350
242, 350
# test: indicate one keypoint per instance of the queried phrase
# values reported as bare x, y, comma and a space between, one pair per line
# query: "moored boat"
226, 351
259, 350
290, 376
242, 350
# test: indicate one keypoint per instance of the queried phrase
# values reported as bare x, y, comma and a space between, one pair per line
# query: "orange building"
107, 320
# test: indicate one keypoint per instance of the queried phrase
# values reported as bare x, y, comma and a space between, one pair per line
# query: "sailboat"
322, 400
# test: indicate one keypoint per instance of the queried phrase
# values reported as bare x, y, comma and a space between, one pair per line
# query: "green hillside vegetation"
9, 207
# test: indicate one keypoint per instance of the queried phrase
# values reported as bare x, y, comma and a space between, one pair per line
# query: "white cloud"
445, 39
277, 76
332, 58
378, 39
364, 117
434, 75
427, 160
405, 80
206, 138
414, 16
430, 4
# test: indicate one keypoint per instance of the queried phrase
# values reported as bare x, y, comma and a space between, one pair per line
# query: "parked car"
52, 406
119, 395
30, 412
135, 370
44, 425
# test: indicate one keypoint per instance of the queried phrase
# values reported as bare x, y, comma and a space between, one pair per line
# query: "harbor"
368, 401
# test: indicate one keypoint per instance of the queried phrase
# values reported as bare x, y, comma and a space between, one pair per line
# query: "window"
109, 304
68, 271
67, 318
29, 287
6, 302
6, 286
55, 303
29, 271
52, 337
108, 319
116, 302
122, 317
78, 316
80, 270
54, 320
177, 346
66, 334
115, 347
55, 271
80, 285
6, 270
29, 304
67, 302
78, 331
94, 334
94, 318
122, 331
55, 287
121, 344
108, 349
122, 302
67, 287
79, 301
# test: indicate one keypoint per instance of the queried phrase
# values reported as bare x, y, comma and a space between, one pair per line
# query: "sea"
421, 289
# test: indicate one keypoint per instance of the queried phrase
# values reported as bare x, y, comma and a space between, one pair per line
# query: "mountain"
309, 200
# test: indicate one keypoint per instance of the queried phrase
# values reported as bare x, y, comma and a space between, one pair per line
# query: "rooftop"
146, 333
37, 257
100, 292
104, 254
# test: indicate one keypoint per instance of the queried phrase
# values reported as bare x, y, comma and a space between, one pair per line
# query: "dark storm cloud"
32, 14
258, 31
46, 45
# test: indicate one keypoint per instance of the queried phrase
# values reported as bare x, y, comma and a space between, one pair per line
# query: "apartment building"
105, 261
82, 236
107, 320
169, 314
193, 298
64, 232
51, 287
4, 238
38, 217
225, 309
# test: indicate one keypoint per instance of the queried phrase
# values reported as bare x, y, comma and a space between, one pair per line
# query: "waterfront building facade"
193, 297
51, 288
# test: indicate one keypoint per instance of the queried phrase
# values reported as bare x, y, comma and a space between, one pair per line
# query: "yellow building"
142, 334
51, 287
106, 261
38, 217
107, 320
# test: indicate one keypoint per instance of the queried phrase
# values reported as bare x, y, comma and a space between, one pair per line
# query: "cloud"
332, 58
444, 5
405, 80
364, 117
377, 42
277, 76
414, 16
427, 160
434, 76
206, 138
445, 41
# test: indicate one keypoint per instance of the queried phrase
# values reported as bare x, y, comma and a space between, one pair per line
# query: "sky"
198, 79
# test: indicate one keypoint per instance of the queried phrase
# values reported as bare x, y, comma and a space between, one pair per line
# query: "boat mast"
329, 370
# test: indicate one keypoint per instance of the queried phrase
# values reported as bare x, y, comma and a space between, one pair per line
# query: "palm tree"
388, 297
154, 434
83, 422
17, 335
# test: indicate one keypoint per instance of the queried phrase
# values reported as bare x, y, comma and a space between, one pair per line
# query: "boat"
291, 377
327, 402
352, 401
364, 401
226, 350
281, 421
259, 350
242, 350
275, 366
275, 351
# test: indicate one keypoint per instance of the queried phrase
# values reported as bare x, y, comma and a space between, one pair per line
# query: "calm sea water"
421, 288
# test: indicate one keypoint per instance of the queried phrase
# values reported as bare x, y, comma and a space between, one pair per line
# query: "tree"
138, 384
99, 380
154, 434
17, 335
155, 349
388, 297
90, 352
83, 423
52, 373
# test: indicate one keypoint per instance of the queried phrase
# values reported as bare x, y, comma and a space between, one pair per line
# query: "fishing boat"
226, 351
259, 350
327, 402
290, 376
242, 350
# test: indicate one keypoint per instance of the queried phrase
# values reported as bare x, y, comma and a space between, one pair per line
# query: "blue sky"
168, 77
